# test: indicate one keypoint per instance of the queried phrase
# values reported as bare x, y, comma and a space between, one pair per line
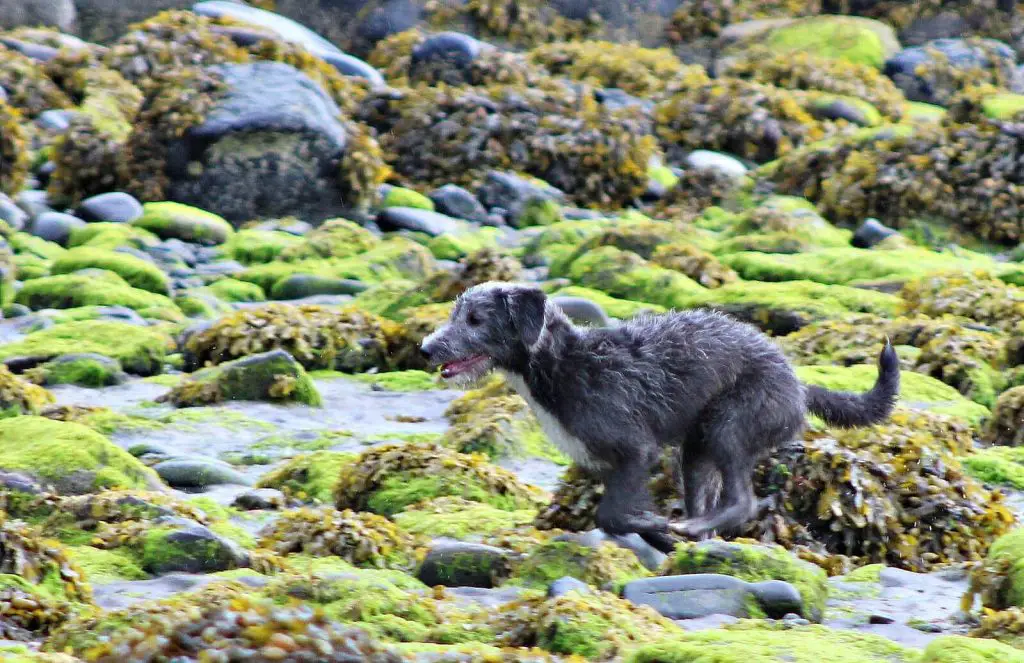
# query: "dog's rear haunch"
610, 397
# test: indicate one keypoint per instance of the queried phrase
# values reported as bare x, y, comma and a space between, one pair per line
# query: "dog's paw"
696, 529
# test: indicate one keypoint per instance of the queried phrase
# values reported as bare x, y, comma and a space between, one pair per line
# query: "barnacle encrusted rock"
363, 539
390, 477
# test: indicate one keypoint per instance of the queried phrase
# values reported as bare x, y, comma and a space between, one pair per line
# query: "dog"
716, 389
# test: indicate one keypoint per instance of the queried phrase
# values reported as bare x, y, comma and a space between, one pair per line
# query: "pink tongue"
456, 367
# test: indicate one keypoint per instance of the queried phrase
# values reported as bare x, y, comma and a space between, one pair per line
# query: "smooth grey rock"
120, 314
691, 596
417, 220
300, 286
198, 473
56, 120
265, 499
458, 564
446, 57
291, 226
269, 147
55, 226
11, 214
615, 99
455, 201
840, 109
20, 483
708, 160
195, 549
582, 311
870, 233
115, 207
777, 598
881, 618
567, 584
512, 193
893, 577
37, 52
34, 202
60, 14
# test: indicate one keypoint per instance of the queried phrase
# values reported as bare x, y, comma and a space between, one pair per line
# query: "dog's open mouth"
463, 366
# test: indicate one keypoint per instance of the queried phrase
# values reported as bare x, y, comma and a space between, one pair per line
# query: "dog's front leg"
627, 507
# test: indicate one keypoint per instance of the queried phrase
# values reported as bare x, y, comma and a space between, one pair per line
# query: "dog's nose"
425, 351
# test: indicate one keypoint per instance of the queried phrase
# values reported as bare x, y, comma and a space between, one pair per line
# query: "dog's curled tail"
848, 410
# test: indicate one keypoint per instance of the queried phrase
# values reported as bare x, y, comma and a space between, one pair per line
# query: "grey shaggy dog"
717, 389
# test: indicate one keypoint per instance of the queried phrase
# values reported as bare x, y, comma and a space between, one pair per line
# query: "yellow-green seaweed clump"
18, 396
999, 580
459, 518
1006, 425
14, 165
273, 376
308, 477
606, 566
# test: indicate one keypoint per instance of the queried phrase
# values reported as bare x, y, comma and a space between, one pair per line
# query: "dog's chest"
568, 443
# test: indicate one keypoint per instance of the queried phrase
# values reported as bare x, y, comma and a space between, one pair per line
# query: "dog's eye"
473, 319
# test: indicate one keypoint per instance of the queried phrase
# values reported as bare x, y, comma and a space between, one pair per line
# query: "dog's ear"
526, 309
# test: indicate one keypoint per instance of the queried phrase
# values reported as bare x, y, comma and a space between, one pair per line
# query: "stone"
198, 473
841, 109
266, 376
513, 193
905, 67
870, 233
34, 202
615, 99
260, 499
458, 564
455, 201
300, 286
56, 120
274, 130
708, 160
777, 598
11, 214
116, 207
691, 596
417, 220
582, 311
37, 52
455, 49
59, 14
55, 226
189, 548
567, 584
881, 618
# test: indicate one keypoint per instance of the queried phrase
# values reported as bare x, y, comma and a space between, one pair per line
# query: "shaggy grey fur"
718, 390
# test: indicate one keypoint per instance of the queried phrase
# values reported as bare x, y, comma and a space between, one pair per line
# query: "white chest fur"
569, 444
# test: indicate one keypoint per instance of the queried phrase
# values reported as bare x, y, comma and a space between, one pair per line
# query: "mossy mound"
272, 376
308, 477
14, 167
893, 493
106, 566
997, 466
256, 247
960, 649
607, 566
1006, 426
598, 626
19, 397
346, 339
778, 224
811, 71
140, 350
335, 238
362, 539
169, 220
390, 477
459, 518
86, 370
999, 580
698, 265
232, 622
137, 272
644, 72
41, 563
71, 457
753, 562
232, 291
626, 275
105, 288
110, 236
753, 641
751, 120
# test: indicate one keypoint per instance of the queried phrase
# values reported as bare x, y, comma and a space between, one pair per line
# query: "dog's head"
491, 325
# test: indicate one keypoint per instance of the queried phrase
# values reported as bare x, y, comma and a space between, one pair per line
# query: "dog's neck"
558, 330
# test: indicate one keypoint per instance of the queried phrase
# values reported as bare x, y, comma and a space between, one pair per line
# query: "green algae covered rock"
606, 566
334, 238
625, 275
19, 397
169, 220
459, 518
105, 566
961, 649
362, 539
253, 247
103, 288
401, 197
137, 272
110, 236
308, 477
390, 477
273, 376
86, 370
759, 642
998, 466
141, 350
999, 580
753, 562
71, 457
917, 391
857, 40
451, 246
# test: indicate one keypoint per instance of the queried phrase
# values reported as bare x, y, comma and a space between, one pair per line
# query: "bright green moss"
309, 476
253, 247
458, 518
917, 111
1003, 106
23, 243
401, 197
75, 290
405, 381
273, 376
69, 455
868, 573
663, 175
82, 371
917, 391
760, 642
391, 298
169, 220
110, 236
459, 245
605, 566
1009, 548
1000, 466
848, 265
141, 350
961, 649
137, 272
625, 275
859, 40
105, 566
233, 290
334, 238
403, 489
621, 309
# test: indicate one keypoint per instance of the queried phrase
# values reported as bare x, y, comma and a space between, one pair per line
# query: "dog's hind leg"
627, 506
700, 481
